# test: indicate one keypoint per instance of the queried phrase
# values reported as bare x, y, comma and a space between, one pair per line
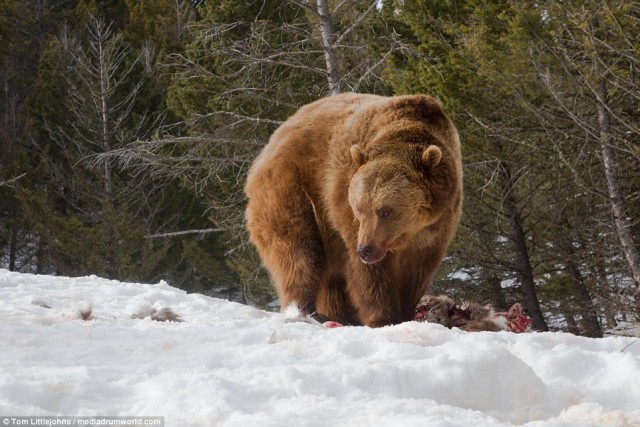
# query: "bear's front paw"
380, 321
377, 323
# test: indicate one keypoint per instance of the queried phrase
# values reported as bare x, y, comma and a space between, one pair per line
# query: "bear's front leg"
283, 227
373, 293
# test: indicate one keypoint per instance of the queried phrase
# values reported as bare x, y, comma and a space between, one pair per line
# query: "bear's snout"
370, 254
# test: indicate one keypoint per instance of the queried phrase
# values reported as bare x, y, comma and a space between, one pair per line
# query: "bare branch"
305, 5
238, 116
356, 22
184, 233
9, 182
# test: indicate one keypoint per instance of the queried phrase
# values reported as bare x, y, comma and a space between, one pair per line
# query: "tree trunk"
524, 269
572, 325
104, 113
328, 40
608, 301
497, 297
622, 225
13, 245
588, 312
40, 256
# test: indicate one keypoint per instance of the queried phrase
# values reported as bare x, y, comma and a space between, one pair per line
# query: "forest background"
127, 128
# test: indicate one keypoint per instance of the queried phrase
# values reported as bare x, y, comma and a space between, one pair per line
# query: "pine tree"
92, 217
24, 27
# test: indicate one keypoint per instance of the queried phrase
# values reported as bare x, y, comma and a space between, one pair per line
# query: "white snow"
232, 365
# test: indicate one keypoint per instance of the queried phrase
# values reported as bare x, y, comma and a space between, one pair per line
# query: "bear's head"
393, 198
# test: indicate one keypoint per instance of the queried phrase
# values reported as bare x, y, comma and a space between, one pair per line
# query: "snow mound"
226, 364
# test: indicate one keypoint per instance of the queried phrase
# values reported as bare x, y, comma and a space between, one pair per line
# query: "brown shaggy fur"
353, 203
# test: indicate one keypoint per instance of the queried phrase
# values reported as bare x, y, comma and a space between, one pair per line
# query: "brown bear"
352, 205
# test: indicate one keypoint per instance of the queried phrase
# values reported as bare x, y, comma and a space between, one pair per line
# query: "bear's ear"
431, 156
357, 155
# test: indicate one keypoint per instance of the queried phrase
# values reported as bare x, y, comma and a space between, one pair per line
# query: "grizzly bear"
352, 205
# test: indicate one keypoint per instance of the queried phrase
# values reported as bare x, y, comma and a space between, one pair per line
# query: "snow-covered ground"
232, 365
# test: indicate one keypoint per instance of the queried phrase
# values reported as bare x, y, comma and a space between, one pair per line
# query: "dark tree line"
127, 127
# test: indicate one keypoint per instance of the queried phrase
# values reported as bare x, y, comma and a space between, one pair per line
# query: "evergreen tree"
88, 213
594, 90
24, 26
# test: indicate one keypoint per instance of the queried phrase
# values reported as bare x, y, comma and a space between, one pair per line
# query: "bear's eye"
384, 212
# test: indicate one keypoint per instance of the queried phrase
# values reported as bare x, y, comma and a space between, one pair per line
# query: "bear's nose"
369, 254
364, 252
